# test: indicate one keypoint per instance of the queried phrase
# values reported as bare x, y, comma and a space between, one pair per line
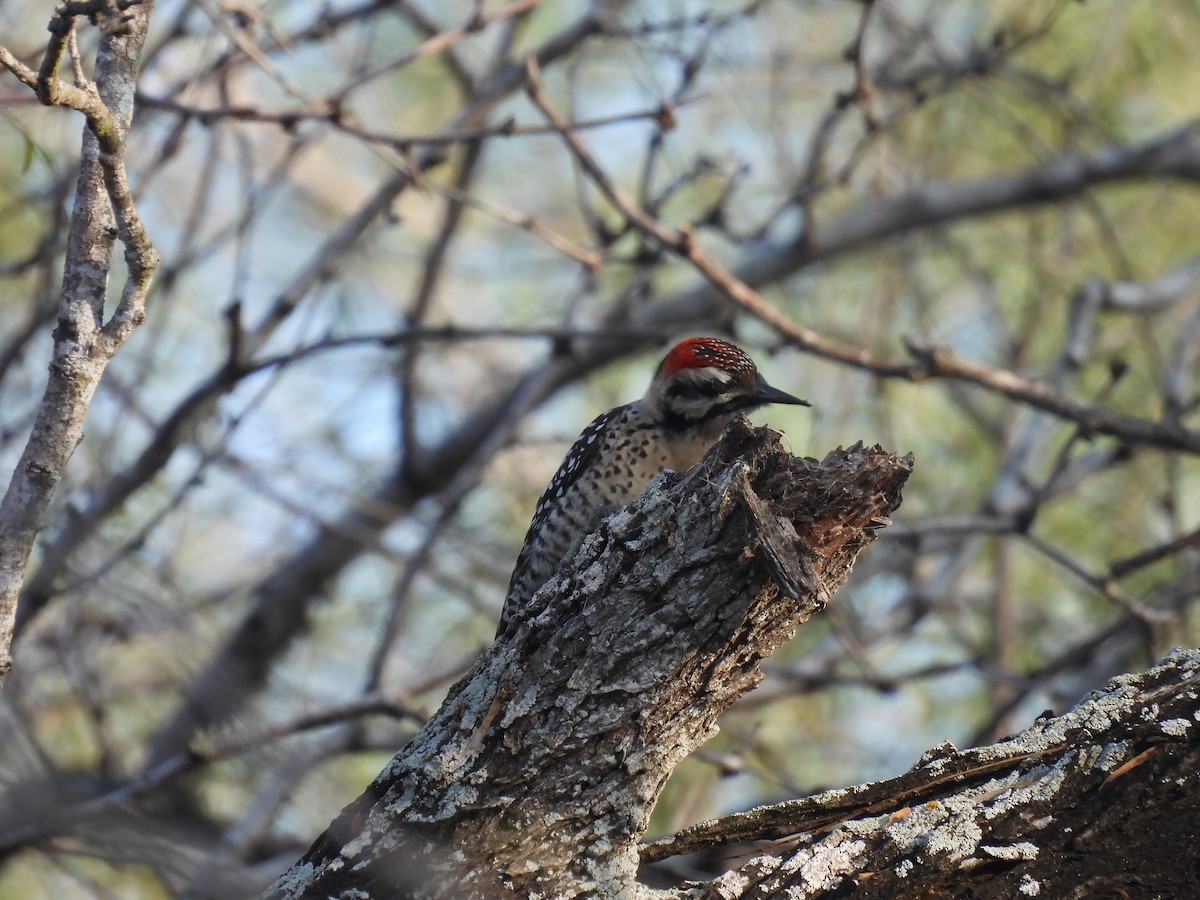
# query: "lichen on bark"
539, 772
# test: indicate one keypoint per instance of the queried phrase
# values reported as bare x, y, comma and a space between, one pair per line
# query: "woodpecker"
699, 387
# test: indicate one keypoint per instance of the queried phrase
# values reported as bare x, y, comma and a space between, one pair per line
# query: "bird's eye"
687, 390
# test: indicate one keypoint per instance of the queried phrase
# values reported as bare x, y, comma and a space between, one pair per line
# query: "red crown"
704, 352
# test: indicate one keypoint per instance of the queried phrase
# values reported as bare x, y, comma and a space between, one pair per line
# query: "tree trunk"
539, 772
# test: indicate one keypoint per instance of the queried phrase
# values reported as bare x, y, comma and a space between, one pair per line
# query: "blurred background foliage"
335, 183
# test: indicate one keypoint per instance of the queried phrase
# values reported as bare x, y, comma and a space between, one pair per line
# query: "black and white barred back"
698, 388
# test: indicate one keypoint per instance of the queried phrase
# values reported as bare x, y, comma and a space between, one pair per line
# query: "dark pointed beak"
764, 393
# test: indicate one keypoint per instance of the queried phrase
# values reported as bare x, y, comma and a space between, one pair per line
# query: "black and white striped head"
704, 381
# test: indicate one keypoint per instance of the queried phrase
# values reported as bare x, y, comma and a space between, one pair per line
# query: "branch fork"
84, 342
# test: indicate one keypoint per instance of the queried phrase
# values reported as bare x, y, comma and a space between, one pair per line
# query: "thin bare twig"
930, 363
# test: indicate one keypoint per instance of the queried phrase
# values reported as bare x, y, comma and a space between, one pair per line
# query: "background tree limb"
392, 293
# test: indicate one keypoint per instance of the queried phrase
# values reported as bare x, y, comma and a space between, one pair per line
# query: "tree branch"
1105, 795
83, 342
1178, 153
282, 598
541, 768
1092, 419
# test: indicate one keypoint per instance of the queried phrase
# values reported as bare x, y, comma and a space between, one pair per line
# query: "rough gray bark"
539, 772
1103, 801
538, 775
84, 342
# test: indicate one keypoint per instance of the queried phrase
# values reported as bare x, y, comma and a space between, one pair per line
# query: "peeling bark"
539, 773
